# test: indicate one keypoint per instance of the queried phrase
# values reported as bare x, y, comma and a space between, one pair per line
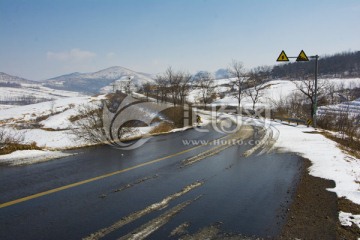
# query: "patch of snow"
181, 129
50, 139
347, 219
23, 157
61, 120
3, 106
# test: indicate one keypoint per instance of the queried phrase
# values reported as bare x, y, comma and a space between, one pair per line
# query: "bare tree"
174, 84
256, 84
147, 88
205, 83
184, 86
237, 71
177, 84
162, 87
332, 90
307, 88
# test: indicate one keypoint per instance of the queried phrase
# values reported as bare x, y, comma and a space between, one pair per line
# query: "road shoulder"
313, 212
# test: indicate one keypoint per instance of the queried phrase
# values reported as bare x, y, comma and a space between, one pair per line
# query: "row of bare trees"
175, 87
21, 100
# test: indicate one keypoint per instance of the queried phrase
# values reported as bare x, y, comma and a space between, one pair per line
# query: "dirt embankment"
314, 211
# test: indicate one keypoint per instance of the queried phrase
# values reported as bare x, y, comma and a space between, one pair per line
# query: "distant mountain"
93, 82
6, 78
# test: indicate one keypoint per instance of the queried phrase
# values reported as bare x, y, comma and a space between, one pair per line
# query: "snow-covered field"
37, 92
33, 111
276, 90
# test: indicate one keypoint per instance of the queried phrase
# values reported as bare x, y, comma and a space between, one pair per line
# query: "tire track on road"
136, 215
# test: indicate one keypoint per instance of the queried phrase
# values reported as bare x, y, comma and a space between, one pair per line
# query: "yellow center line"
37, 195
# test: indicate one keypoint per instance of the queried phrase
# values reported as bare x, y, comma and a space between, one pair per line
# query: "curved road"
167, 188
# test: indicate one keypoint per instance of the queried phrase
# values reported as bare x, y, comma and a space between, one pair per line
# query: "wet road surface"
152, 193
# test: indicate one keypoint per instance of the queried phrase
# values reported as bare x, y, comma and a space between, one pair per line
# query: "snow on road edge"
23, 157
328, 161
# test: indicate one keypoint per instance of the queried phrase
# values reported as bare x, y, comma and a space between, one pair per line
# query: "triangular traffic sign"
302, 57
282, 57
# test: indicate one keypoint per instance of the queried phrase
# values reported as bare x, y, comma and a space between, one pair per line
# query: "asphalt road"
163, 189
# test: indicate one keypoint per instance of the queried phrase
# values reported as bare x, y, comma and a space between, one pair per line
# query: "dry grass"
176, 116
12, 147
162, 128
83, 115
350, 146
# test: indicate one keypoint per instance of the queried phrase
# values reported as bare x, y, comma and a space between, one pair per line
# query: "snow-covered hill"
94, 82
6, 78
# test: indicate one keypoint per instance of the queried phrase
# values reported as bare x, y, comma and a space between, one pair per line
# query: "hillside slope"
94, 82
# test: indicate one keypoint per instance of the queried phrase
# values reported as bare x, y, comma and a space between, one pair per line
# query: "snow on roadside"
328, 161
22, 157
51, 139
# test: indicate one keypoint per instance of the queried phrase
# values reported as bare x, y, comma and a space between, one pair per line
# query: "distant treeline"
22, 100
341, 65
9, 84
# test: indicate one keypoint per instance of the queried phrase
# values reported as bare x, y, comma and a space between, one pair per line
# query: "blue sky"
40, 39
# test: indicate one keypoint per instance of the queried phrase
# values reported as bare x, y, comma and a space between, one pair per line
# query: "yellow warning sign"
302, 57
282, 57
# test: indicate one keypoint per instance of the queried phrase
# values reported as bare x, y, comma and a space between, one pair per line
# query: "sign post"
303, 58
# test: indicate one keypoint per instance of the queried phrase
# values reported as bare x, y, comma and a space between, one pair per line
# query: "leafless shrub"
7, 138
88, 124
10, 142
294, 106
280, 108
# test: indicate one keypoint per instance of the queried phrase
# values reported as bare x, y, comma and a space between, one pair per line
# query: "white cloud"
74, 55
